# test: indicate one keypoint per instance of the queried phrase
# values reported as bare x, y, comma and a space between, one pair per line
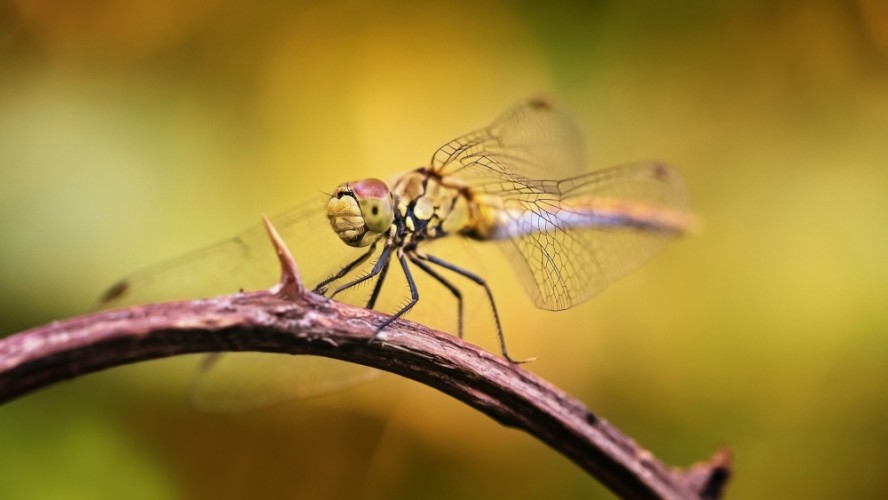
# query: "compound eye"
375, 199
370, 188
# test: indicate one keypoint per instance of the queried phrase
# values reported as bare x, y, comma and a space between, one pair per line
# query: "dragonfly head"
359, 212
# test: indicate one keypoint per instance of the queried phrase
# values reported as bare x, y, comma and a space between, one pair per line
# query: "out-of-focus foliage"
132, 131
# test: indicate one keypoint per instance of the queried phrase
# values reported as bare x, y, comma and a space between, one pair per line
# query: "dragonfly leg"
378, 287
321, 287
380, 264
417, 259
480, 281
414, 297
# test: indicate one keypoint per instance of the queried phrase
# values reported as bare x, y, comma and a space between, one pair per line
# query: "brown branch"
290, 320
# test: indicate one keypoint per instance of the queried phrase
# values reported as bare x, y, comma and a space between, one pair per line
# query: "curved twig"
290, 320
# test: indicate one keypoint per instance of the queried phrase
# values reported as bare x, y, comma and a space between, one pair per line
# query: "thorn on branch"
290, 287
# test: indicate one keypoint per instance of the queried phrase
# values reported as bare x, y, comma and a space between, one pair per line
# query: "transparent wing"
243, 381
245, 262
562, 264
529, 163
252, 380
529, 141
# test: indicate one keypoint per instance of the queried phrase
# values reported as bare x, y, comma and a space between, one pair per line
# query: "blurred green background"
132, 131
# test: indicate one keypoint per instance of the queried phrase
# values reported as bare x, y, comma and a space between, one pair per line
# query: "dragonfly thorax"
360, 212
430, 208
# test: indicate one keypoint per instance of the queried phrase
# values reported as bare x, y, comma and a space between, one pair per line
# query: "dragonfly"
520, 183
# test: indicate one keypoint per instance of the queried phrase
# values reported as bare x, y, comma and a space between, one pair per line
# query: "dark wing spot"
540, 102
660, 172
115, 292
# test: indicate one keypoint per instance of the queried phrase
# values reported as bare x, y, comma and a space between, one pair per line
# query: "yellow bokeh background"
133, 131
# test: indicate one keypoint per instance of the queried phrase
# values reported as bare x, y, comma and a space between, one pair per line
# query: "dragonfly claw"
521, 361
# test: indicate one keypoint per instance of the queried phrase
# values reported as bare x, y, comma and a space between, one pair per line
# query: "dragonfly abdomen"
597, 214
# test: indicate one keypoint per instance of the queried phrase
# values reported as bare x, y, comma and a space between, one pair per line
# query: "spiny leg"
480, 281
378, 287
380, 264
414, 297
417, 259
321, 287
